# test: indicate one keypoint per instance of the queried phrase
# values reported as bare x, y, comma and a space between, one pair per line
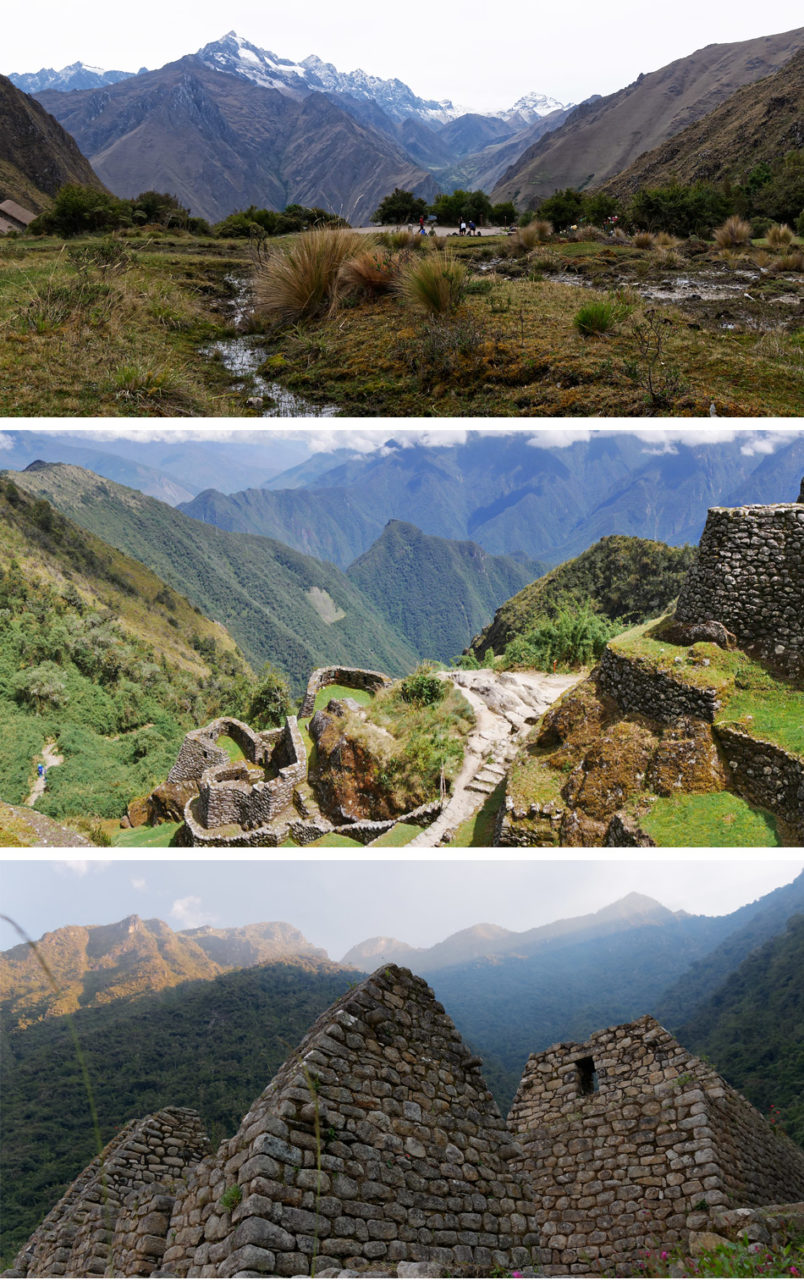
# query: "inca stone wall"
624, 1136
657, 695
248, 795
200, 751
89, 1232
766, 775
377, 1145
749, 575
349, 677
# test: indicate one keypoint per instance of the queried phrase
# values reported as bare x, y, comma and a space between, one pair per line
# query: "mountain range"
37, 156
154, 1035
233, 125
603, 137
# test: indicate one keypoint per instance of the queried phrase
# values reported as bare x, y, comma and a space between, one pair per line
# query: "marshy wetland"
568, 326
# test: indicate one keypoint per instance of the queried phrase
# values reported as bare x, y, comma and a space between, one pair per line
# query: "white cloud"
81, 867
138, 883
189, 913
559, 437
6, 442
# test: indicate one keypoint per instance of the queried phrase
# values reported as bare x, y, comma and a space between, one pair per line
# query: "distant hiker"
40, 769
472, 227
462, 231
421, 222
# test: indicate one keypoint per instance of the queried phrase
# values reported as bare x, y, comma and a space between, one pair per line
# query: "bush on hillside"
270, 701
423, 688
573, 638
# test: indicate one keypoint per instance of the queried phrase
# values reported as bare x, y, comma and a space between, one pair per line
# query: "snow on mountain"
77, 76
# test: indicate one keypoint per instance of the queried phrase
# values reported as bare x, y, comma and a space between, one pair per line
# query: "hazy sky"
339, 902
479, 55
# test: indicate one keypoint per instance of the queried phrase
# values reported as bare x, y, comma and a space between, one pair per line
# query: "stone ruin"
749, 575
377, 1147
632, 1142
115, 1215
265, 798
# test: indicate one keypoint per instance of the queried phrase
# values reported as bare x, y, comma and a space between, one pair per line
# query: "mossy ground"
158, 837
512, 348
719, 820
81, 338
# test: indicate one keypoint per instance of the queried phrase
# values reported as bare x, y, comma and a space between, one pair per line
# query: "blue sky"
338, 902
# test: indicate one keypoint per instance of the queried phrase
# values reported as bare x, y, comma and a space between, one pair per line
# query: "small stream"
242, 357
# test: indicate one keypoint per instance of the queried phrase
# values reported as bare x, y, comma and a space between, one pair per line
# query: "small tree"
423, 687
400, 206
270, 700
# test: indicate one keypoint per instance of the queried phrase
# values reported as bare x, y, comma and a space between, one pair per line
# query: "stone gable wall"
377, 1144
200, 751
88, 1232
749, 575
349, 677
620, 1158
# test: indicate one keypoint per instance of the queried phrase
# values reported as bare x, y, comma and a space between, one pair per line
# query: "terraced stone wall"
377, 1146
767, 776
749, 575
625, 1135
637, 687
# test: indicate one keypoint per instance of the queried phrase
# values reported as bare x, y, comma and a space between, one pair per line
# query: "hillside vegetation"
100, 658
624, 579
280, 606
753, 1028
433, 591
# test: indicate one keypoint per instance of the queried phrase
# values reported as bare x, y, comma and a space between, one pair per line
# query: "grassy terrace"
717, 820
751, 697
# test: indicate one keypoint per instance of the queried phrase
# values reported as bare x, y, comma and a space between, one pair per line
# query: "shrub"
734, 233
574, 637
644, 239
664, 240
434, 284
423, 688
270, 701
300, 282
779, 236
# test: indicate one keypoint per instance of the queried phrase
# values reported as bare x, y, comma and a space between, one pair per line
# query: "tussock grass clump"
664, 240
793, 261
589, 234
526, 238
372, 272
779, 236
300, 282
600, 316
435, 284
734, 233
398, 241
644, 239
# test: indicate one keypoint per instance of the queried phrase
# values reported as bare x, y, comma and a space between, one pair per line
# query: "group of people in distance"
466, 228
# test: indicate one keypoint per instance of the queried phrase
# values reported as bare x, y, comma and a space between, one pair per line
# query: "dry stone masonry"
629, 1140
349, 677
114, 1218
377, 1145
749, 575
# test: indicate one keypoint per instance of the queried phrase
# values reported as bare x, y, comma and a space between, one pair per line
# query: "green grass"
231, 748
477, 832
146, 837
332, 841
398, 836
330, 691
763, 704
718, 820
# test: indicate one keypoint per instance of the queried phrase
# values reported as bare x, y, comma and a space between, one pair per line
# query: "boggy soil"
695, 332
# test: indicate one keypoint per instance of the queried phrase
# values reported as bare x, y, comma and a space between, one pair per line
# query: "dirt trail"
49, 759
506, 704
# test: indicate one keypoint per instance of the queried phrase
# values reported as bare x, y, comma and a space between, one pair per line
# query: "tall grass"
374, 271
300, 282
526, 238
434, 284
734, 233
779, 236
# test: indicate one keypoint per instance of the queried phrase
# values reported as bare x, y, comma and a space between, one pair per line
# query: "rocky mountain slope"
96, 964
37, 155
280, 606
602, 138
757, 125
76, 76
252, 144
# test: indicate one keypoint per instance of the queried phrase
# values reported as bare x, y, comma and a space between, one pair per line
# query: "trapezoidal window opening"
587, 1076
